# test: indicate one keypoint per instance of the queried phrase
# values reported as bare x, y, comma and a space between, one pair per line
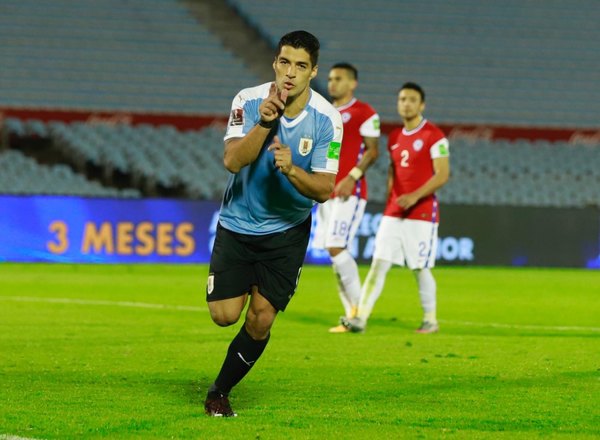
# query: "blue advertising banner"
90, 230
70, 229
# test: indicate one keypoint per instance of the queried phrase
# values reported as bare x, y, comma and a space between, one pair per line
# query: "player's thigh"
388, 241
225, 312
231, 269
278, 270
420, 243
344, 221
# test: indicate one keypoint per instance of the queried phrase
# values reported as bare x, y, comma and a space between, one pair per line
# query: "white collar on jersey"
345, 106
289, 124
414, 130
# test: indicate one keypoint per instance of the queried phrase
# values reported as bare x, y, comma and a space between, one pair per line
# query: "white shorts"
337, 222
407, 241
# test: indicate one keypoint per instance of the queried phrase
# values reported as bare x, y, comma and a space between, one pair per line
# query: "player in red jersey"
420, 165
338, 219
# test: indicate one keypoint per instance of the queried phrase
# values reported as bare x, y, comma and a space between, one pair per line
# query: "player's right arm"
242, 151
390, 177
390, 181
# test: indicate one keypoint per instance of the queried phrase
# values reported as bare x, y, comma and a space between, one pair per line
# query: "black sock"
243, 352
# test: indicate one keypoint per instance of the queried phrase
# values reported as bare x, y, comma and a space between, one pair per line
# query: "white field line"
157, 306
15, 437
99, 302
522, 326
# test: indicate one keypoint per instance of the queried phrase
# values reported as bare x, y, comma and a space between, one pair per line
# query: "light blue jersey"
259, 199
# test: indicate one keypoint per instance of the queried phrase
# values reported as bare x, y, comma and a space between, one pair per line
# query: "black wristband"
268, 125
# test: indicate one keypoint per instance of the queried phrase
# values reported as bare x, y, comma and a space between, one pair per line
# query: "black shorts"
272, 262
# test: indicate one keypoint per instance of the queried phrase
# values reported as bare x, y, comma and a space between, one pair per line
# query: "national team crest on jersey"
305, 146
346, 117
418, 144
236, 117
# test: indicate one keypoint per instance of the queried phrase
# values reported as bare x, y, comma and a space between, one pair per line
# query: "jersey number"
404, 160
340, 228
423, 251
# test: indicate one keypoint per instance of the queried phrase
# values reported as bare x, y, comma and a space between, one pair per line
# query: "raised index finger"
273, 90
284, 95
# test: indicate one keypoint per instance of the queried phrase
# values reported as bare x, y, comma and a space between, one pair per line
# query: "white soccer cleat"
428, 327
355, 325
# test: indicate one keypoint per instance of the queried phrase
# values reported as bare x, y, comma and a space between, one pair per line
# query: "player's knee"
223, 317
224, 320
380, 267
333, 252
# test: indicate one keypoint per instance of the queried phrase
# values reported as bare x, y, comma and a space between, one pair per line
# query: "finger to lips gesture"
282, 156
273, 105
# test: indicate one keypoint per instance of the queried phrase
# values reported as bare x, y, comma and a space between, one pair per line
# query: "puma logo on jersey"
393, 147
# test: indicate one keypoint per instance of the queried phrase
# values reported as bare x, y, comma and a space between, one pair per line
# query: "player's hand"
272, 106
407, 201
344, 188
282, 157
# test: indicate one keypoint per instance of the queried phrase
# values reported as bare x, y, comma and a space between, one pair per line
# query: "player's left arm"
371, 153
441, 168
345, 186
316, 186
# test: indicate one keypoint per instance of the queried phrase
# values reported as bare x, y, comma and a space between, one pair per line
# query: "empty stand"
512, 62
21, 175
519, 173
164, 161
138, 55
523, 173
159, 161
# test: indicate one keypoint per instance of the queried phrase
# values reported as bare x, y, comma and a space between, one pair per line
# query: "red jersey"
360, 120
412, 153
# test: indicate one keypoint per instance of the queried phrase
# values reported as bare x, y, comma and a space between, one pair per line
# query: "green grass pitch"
85, 352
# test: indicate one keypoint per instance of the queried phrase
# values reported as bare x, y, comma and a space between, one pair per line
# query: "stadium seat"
20, 174
131, 56
489, 63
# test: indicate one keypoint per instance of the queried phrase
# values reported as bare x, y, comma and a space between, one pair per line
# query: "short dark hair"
301, 40
347, 66
414, 86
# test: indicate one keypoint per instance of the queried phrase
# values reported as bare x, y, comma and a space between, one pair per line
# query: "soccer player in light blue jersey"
282, 148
